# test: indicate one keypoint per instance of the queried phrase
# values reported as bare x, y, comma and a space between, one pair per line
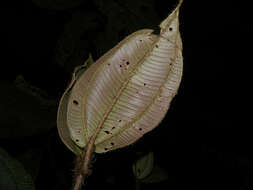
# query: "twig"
83, 165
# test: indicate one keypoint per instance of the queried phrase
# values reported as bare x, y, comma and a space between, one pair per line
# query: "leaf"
13, 175
158, 174
127, 92
31, 161
143, 166
63, 129
79, 70
25, 110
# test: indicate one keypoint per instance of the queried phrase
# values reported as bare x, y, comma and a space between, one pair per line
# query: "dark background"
205, 140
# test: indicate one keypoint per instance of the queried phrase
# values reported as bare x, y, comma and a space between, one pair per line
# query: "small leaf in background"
158, 174
31, 161
90, 60
22, 109
143, 166
79, 70
13, 175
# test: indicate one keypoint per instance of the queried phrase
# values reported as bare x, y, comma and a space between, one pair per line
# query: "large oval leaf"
127, 92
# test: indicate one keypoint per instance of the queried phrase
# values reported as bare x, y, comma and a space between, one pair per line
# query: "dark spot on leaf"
144, 84
77, 140
120, 65
75, 102
120, 120
109, 64
140, 40
156, 46
170, 28
127, 62
113, 128
112, 143
107, 132
106, 148
140, 129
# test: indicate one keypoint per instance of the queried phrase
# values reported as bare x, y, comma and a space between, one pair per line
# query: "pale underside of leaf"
76, 118
62, 126
127, 92
151, 116
63, 129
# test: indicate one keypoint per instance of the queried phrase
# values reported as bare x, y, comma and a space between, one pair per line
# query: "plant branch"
83, 165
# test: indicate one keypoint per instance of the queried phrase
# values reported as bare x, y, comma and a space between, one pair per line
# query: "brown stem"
82, 165
78, 182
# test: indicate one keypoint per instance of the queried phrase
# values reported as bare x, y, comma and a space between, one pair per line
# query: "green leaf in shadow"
31, 161
13, 175
158, 174
24, 110
79, 70
143, 166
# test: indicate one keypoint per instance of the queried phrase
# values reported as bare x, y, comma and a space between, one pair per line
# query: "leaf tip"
166, 22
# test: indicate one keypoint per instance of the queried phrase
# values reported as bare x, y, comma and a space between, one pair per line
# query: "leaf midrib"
131, 74
148, 107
